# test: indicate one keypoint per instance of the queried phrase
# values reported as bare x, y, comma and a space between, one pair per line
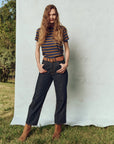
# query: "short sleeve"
65, 35
37, 34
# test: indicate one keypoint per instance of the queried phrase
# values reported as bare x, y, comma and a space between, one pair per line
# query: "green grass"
9, 134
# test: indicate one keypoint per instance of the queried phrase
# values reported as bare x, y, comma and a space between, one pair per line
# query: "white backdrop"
90, 26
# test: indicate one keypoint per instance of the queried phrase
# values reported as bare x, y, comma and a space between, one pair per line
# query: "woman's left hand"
63, 68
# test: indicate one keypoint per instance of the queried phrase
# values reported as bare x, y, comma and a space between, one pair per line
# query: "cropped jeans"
43, 84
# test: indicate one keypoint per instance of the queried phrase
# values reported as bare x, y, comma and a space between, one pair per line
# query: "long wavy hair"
45, 24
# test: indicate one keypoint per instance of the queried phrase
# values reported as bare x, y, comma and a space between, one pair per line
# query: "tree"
7, 39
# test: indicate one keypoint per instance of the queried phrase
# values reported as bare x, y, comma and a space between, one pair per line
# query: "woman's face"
52, 16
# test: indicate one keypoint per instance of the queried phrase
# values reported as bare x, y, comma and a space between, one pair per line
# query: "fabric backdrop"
90, 27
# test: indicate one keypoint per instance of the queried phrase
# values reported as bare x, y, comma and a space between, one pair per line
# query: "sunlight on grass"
6, 99
9, 134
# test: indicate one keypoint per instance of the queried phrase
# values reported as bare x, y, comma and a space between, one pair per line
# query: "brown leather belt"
60, 58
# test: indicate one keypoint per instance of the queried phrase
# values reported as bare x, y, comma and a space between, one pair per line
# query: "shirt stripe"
50, 48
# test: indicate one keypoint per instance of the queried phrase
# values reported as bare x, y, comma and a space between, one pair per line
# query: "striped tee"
50, 48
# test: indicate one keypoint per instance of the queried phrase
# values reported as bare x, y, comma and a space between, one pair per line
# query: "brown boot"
25, 133
57, 131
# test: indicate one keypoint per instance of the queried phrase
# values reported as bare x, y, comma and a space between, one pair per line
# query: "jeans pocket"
46, 65
58, 66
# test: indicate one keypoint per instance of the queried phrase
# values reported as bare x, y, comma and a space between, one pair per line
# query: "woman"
50, 36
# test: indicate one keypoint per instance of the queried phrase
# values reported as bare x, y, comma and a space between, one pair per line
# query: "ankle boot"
57, 131
25, 133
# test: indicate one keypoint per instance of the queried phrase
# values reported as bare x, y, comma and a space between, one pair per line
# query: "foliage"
7, 38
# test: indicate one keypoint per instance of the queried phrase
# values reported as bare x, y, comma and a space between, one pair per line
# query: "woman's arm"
37, 55
67, 53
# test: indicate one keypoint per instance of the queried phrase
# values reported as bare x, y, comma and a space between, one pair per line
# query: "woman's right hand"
40, 67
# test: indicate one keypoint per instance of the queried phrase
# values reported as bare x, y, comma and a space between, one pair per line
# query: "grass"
70, 135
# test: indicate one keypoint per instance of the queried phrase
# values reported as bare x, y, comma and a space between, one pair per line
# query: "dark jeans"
42, 86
